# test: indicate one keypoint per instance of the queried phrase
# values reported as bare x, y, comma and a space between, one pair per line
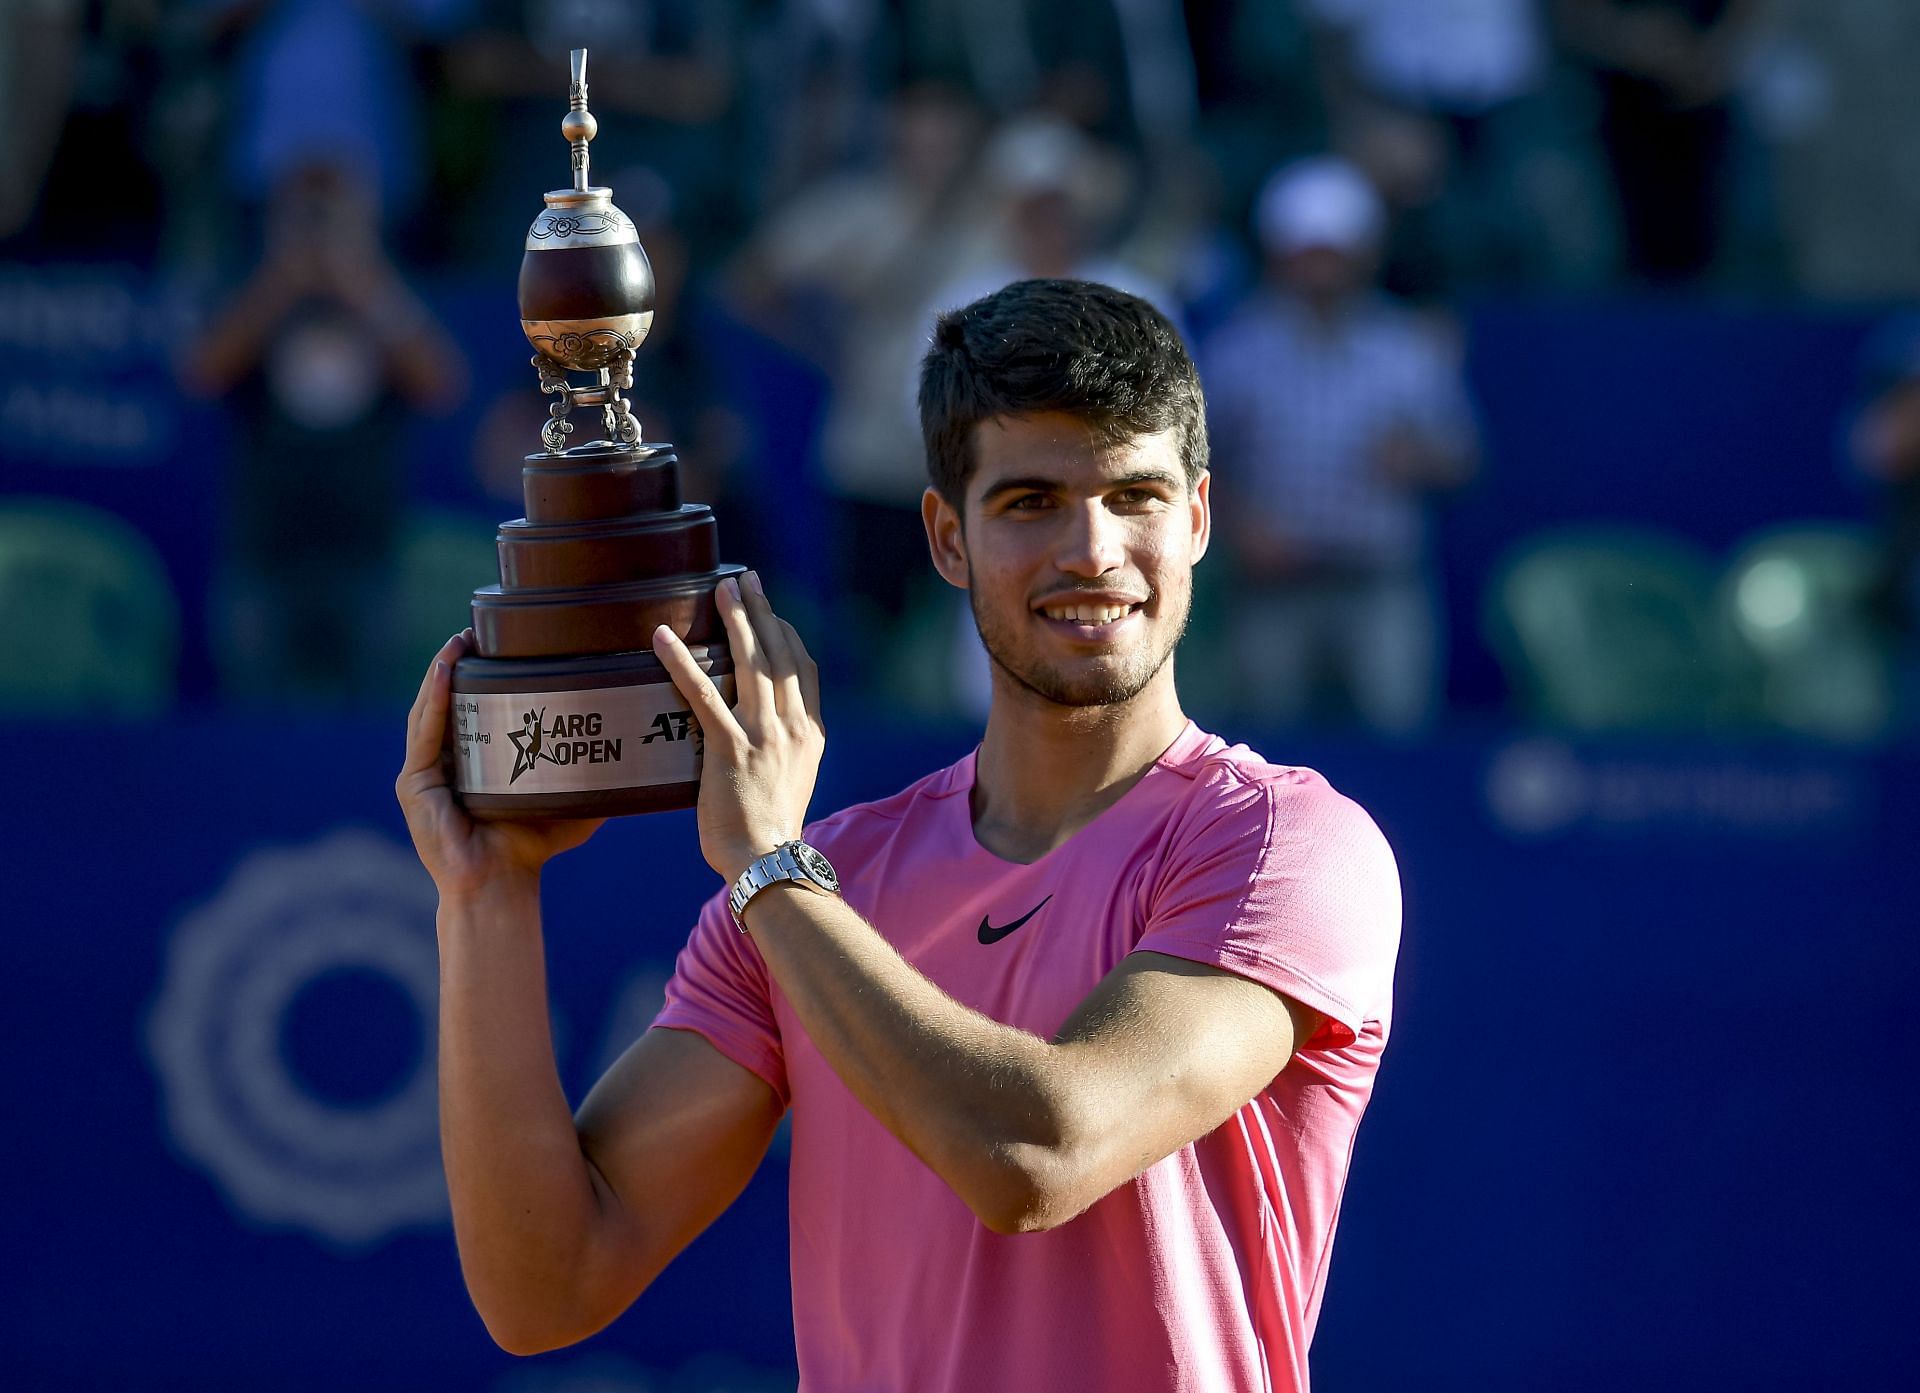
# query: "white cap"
1319, 202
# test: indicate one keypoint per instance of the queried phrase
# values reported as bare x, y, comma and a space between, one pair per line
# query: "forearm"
237, 339
524, 1200
1001, 1115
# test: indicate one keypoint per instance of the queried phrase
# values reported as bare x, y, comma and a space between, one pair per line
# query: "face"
1325, 273
1077, 556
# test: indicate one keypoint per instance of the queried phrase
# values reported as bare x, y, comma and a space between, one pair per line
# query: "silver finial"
578, 125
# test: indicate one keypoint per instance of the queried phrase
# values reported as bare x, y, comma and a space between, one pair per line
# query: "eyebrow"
1040, 484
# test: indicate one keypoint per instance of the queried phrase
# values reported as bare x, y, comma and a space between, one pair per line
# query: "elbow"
529, 1328
525, 1328
1032, 1189
522, 1342
519, 1334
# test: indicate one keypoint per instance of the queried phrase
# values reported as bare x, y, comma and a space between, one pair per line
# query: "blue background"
1647, 1118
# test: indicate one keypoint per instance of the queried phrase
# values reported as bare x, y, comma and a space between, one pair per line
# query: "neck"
1044, 771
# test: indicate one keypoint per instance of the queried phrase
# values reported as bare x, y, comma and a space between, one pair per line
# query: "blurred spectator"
1886, 449
1121, 68
1433, 97
1054, 195
813, 95
1335, 415
843, 275
321, 356
1832, 88
1256, 79
1454, 58
1666, 71
329, 79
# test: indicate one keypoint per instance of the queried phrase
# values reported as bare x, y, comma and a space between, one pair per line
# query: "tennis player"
1076, 1033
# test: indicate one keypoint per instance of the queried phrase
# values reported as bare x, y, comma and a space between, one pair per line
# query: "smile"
1089, 620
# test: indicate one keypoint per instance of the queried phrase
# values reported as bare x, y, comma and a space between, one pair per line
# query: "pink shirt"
1205, 1272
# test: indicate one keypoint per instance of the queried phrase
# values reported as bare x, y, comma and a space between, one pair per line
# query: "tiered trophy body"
563, 711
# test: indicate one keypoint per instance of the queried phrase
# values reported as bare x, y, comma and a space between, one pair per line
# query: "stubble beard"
1111, 688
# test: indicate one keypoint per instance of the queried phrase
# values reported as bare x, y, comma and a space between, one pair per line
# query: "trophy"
563, 711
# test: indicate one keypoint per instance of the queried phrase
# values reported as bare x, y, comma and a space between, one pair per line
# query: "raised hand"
465, 856
762, 754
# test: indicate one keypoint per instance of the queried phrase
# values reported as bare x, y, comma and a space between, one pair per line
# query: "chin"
1081, 688
1084, 680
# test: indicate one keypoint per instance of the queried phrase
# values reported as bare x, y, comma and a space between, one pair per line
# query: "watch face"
817, 866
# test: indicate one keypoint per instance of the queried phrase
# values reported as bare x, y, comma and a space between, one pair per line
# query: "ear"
1200, 506
946, 538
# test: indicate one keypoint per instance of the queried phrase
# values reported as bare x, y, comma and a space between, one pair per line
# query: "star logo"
528, 744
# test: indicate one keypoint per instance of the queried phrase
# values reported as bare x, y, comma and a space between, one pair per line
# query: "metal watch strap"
782, 863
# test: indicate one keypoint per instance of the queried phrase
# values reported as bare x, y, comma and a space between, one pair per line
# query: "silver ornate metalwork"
584, 216
616, 412
581, 218
586, 344
578, 125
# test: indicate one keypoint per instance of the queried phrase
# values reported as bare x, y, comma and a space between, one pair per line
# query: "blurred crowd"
1310, 188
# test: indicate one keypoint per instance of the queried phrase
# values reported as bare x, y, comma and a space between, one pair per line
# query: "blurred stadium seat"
89, 622
1799, 597
1609, 628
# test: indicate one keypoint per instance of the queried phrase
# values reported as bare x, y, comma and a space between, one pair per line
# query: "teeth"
1089, 614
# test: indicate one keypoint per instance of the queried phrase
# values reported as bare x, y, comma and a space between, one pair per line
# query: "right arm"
561, 1223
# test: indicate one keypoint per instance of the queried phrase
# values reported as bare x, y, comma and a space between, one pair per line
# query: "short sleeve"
720, 990
1284, 881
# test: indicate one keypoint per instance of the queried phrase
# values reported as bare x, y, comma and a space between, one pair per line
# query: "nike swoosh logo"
989, 934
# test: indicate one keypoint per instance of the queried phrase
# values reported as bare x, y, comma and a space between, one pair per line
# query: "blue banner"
1644, 1122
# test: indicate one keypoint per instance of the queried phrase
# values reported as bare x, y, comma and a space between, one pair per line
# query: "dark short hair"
1079, 347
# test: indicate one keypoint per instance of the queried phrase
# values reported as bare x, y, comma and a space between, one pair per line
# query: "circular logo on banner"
309, 956
1537, 787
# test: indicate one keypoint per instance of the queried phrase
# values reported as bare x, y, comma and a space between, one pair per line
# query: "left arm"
1027, 1132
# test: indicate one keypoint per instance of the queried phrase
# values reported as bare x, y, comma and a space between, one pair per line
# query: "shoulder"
1238, 800
1272, 873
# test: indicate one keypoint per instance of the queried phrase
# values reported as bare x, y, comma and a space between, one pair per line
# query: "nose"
1092, 541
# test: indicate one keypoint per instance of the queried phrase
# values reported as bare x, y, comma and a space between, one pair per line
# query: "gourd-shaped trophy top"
586, 287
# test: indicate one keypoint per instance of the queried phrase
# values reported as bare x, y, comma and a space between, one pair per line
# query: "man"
323, 355
1076, 1053
1338, 416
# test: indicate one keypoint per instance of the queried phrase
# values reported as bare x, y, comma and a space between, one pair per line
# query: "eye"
1029, 502
1136, 496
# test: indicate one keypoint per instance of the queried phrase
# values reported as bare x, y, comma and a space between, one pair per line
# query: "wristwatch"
795, 861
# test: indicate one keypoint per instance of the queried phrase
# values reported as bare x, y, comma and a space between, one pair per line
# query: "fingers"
696, 688
806, 671
782, 650
753, 690
769, 631
427, 721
